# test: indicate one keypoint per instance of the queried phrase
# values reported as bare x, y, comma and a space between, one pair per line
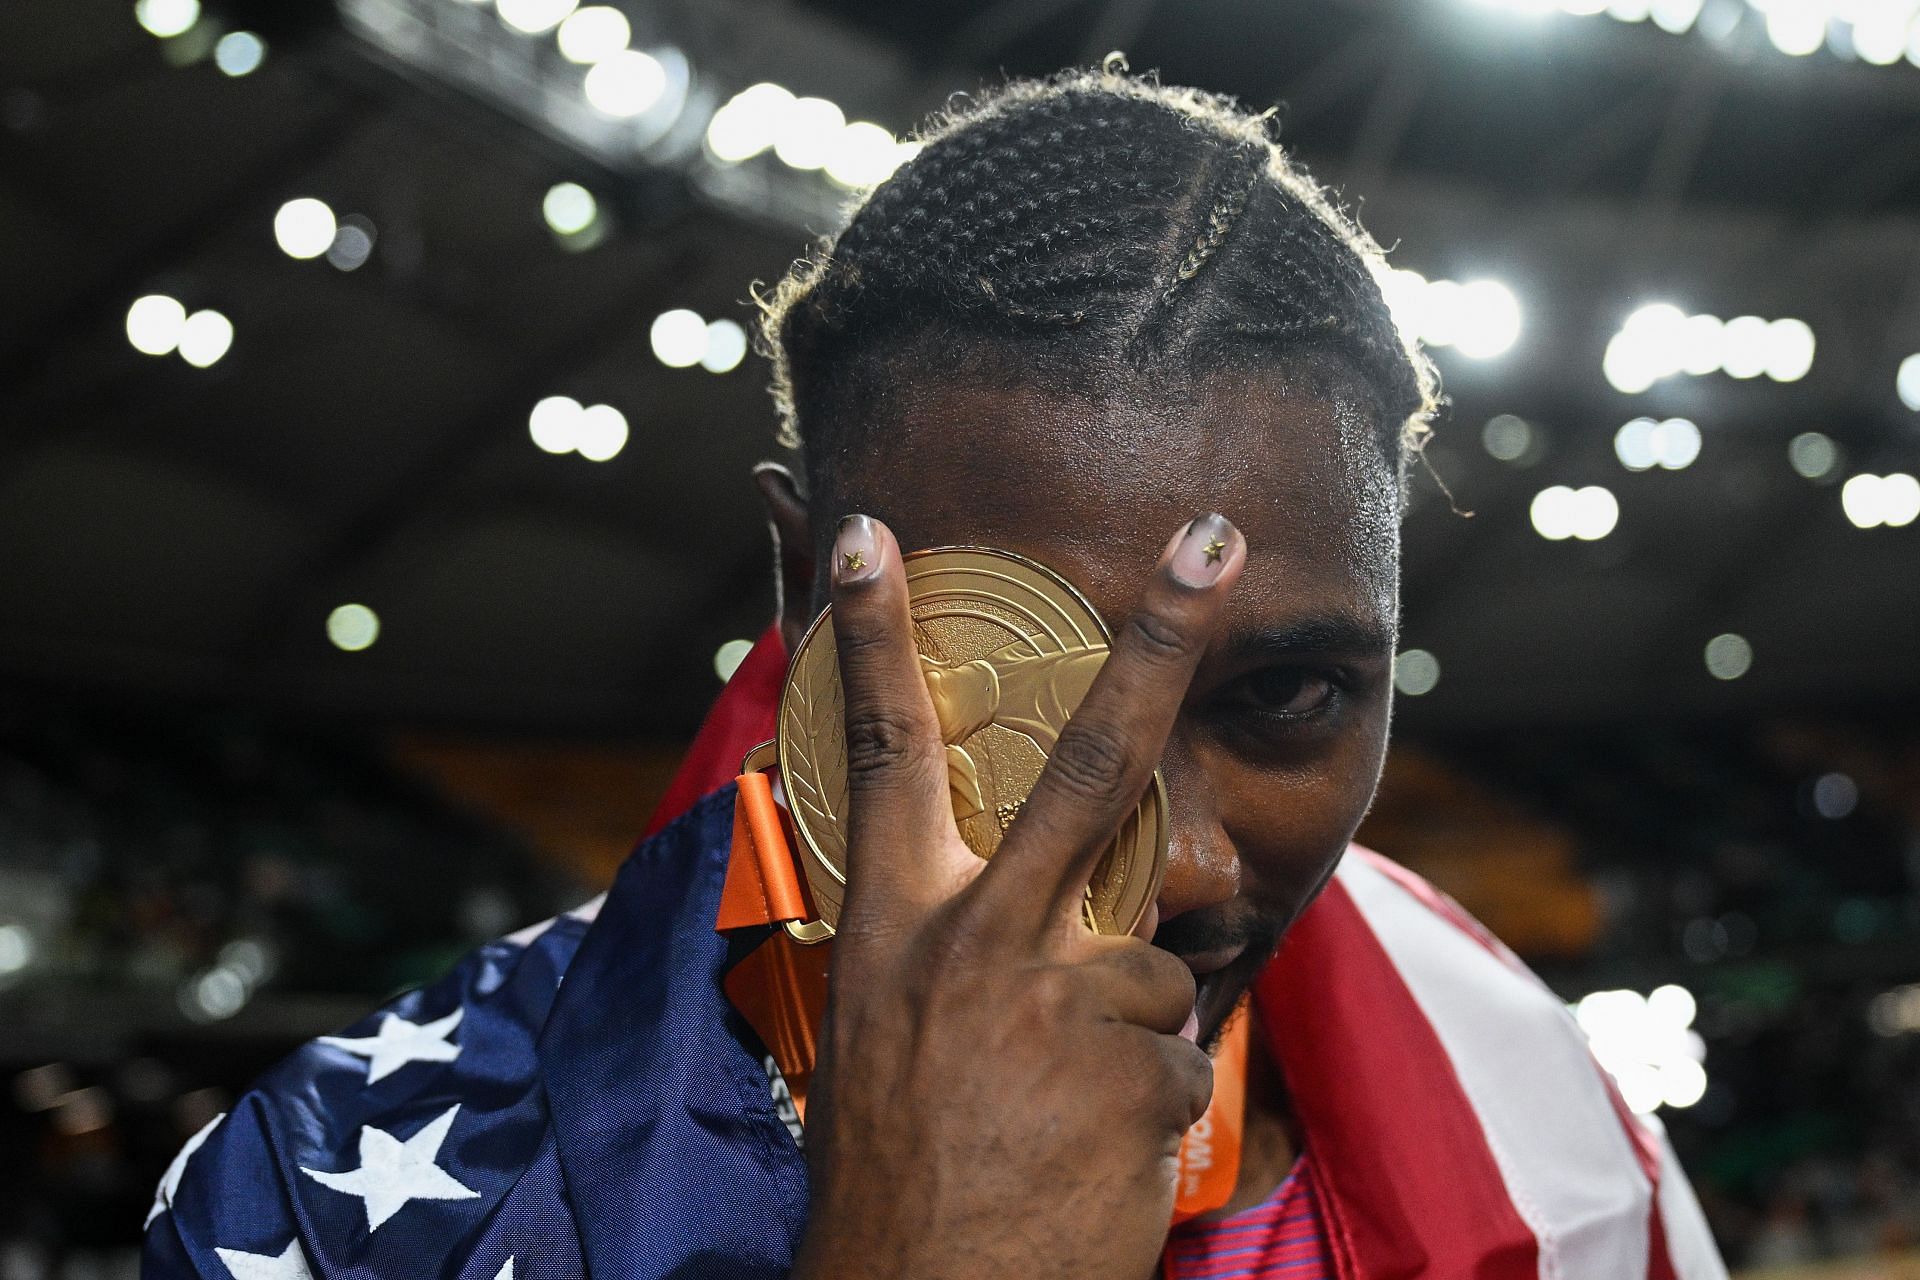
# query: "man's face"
1277, 749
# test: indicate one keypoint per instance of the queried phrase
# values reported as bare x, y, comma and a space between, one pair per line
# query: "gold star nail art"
1214, 549
853, 560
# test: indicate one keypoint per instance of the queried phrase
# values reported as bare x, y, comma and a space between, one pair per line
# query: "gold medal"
1008, 649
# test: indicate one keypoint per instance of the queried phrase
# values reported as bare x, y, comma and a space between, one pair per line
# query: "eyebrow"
1329, 634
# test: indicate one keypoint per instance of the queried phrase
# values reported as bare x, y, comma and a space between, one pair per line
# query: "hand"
999, 1091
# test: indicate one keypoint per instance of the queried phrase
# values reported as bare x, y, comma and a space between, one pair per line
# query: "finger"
1107, 751
899, 813
1136, 982
1174, 1080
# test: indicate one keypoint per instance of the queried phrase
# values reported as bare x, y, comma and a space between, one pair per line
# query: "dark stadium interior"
221, 833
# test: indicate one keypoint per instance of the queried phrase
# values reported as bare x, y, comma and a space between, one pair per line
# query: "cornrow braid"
1070, 225
1220, 220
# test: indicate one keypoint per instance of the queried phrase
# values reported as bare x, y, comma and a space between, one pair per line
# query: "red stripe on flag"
1407, 1185
741, 719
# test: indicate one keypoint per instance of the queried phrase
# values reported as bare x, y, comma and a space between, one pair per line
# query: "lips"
1205, 962
1205, 965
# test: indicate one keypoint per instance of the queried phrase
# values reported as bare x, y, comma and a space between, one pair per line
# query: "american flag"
578, 1099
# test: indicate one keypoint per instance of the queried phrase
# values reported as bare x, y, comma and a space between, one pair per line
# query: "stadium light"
1659, 340
1588, 513
1478, 318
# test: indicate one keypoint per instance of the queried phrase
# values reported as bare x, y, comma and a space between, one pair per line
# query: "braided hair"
1057, 228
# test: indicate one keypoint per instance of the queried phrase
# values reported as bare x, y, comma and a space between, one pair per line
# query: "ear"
792, 535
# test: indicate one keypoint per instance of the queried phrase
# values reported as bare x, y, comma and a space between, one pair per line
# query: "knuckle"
857, 642
1161, 972
1159, 639
973, 926
1053, 994
1092, 763
881, 743
1186, 1081
1168, 974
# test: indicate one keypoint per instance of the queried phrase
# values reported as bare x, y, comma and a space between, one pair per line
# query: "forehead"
1094, 483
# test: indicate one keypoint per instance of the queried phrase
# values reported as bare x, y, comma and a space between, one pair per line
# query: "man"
1089, 307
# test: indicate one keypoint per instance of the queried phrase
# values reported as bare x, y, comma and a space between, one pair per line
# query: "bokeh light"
1906, 382
1797, 29
304, 228
1675, 16
1642, 444
1880, 34
1870, 501
1746, 347
154, 324
353, 627
16, 949
679, 338
593, 34
1787, 350
728, 657
167, 18
352, 244
1659, 340
626, 84
805, 135
1416, 672
531, 17
554, 424
600, 432
1647, 1044
204, 338
1588, 513
1728, 656
239, 53
1479, 318
748, 123
862, 155
1835, 796
1508, 437
1813, 455
726, 347
569, 208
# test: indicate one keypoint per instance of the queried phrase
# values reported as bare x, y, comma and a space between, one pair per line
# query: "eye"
1284, 692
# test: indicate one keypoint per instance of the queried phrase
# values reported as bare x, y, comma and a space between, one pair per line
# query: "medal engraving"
1008, 650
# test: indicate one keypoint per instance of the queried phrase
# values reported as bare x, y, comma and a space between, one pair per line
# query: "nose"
1203, 868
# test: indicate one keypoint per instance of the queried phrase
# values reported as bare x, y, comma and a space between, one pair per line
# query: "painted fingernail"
856, 552
1202, 554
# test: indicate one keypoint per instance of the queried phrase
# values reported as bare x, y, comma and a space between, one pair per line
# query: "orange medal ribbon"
780, 988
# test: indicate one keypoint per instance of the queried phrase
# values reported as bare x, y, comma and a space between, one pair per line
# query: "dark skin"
1000, 1092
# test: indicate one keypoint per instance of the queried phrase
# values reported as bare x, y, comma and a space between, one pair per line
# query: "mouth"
1222, 949
1206, 963
1208, 968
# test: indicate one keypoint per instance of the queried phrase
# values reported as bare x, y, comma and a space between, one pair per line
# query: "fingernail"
856, 553
1202, 554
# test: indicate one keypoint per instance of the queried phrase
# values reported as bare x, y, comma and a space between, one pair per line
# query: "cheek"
1290, 826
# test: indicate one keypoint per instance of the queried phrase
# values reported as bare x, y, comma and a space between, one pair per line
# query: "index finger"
901, 836
1110, 745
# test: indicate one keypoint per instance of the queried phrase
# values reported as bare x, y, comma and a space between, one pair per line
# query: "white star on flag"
291, 1264
506, 1270
393, 1172
399, 1042
170, 1182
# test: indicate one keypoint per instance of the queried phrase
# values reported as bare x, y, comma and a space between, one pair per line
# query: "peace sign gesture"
1001, 1091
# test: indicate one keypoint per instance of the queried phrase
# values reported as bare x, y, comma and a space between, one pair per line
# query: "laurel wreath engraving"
803, 779
813, 739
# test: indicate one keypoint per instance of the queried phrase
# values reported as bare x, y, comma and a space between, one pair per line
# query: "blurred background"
363, 367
